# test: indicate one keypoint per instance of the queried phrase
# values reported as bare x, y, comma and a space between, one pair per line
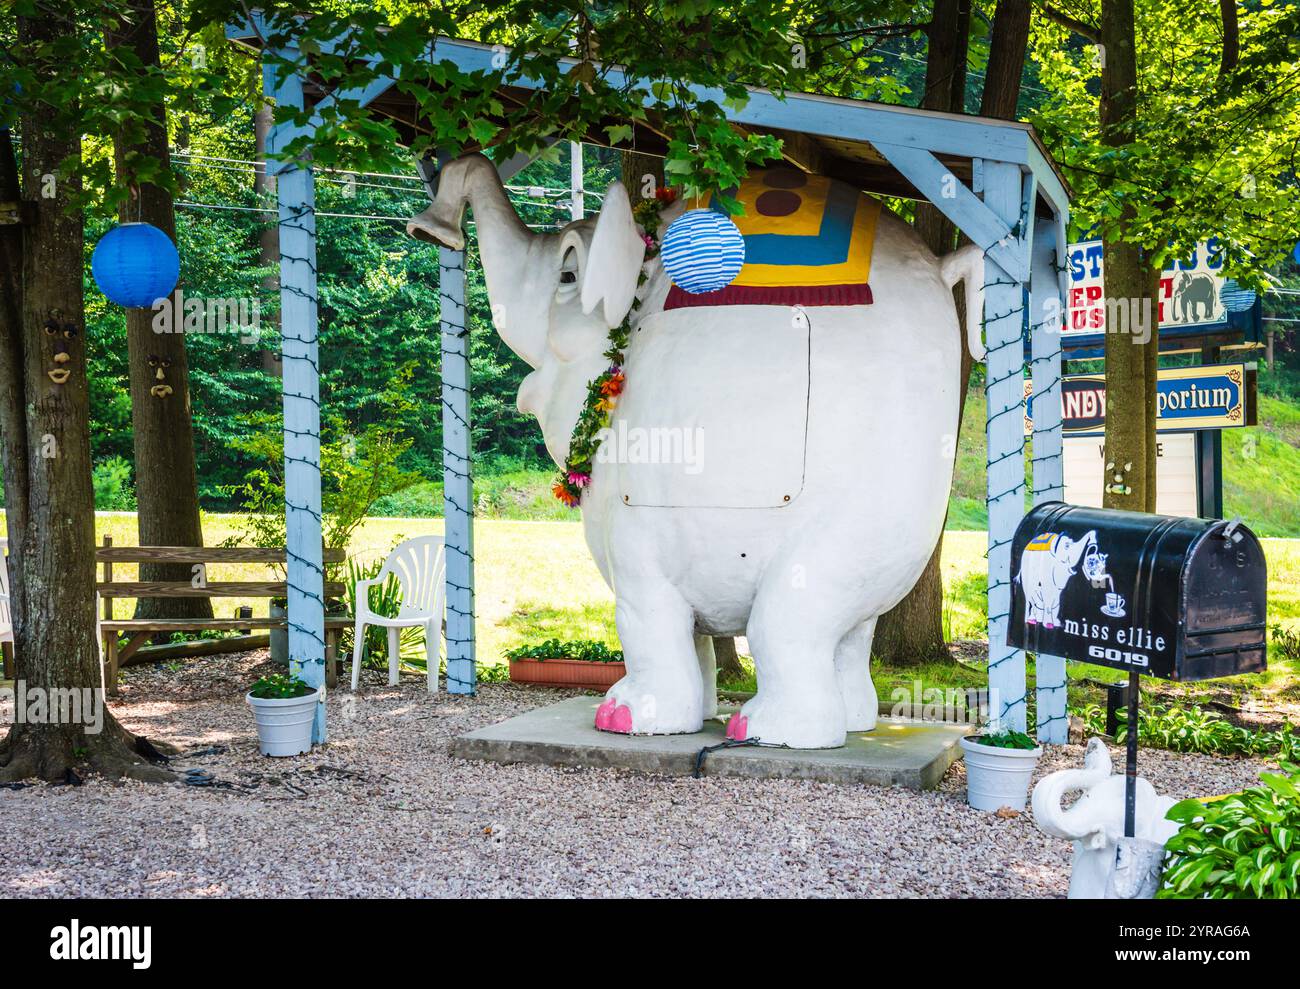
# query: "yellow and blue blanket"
808, 241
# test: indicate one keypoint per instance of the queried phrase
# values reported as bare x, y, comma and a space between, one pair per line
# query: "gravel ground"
384, 811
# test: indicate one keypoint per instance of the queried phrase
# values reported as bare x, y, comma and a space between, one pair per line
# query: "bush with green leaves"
359, 465
1181, 729
1241, 847
111, 479
581, 649
280, 686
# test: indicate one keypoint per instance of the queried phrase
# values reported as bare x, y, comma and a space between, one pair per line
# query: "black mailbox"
1178, 598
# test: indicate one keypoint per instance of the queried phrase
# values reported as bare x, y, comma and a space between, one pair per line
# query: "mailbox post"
1176, 598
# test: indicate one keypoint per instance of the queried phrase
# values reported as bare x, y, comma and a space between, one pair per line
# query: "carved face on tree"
60, 336
160, 389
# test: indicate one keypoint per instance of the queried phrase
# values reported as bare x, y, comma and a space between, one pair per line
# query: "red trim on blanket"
781, 295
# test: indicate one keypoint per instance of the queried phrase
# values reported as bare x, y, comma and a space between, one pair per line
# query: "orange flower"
613, 385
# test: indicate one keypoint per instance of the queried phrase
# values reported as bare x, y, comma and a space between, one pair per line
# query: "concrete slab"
902, 753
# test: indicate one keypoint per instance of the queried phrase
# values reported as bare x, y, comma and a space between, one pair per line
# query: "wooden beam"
1004, 318
215, 589
976, 219
1046, 318
296, 191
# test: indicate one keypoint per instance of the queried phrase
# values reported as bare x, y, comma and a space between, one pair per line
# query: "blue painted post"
302, 502
456, 474
1004, 316
1046, 312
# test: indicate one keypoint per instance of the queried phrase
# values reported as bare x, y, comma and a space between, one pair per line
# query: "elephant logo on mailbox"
1046, 566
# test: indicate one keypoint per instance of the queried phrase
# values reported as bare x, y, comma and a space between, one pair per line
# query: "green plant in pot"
580, 663
999, 765
284, 708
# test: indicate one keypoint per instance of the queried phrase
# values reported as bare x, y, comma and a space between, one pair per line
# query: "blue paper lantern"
702, 251
1235, 298
135, 264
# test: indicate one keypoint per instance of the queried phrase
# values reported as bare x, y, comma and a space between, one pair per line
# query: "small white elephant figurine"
1046, 566
1095, 823
818, 487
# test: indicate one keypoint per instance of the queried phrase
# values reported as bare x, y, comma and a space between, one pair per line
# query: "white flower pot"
997, 777
284, 723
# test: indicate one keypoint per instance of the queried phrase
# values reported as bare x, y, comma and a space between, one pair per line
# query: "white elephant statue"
820, 485
1046, 566
1095, 823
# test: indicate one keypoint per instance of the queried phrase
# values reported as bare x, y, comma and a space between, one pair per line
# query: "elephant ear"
614, 259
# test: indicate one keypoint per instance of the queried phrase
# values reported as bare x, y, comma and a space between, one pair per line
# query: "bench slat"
202, 554
214, 589
199, 624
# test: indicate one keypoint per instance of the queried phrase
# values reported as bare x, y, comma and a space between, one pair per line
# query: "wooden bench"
138, 631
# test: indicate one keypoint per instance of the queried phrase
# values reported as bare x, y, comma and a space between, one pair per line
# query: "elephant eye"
568, 277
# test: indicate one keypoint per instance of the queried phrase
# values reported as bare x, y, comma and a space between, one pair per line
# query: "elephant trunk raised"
1095, 822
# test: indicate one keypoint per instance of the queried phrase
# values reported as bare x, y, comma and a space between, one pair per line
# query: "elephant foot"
615, 717
809, 723
650, 706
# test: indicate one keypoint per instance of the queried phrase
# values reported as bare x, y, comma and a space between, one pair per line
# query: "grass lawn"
536, 581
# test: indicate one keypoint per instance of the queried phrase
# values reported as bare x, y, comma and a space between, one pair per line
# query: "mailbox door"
1225, 593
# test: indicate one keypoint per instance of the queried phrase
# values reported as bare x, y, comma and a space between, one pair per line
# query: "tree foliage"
1216, 144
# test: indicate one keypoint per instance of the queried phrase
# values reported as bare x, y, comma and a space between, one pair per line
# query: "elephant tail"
966, 265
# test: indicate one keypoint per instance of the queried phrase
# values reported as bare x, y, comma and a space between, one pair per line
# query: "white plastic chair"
419, 565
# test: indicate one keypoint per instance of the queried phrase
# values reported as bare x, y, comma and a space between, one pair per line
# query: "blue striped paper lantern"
702, 251
1235, 298
134, 264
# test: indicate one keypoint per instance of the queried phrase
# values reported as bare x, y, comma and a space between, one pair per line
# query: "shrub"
1242, 847
1181, 730
114, 491
583, 649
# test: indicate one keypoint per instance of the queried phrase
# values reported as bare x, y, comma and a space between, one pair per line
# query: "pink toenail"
738, 727
621, 720
1032, 621
604, 713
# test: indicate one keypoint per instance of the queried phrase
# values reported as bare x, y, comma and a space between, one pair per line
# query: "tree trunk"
636, 166
46, 445
166, 485
729, 668
1130, 291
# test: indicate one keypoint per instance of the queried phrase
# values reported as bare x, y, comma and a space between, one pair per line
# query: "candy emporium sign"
1190, 291
1209, 396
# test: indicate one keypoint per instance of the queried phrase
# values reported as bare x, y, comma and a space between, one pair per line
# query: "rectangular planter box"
566, 673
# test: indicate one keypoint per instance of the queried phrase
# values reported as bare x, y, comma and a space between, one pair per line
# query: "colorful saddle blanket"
808, 241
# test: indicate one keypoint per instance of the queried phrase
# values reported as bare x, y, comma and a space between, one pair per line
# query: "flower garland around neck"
604, 389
